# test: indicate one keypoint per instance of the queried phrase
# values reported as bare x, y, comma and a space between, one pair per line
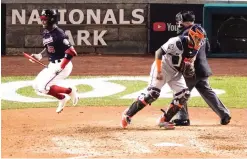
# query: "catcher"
185, 20
174, 60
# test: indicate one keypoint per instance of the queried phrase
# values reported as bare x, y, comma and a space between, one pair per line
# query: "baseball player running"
173, 60
60, 53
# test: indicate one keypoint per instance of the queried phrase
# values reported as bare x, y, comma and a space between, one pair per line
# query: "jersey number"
50, 49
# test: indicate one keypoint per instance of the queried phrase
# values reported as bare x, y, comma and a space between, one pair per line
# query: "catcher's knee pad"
143, 100
182, 97
152, 95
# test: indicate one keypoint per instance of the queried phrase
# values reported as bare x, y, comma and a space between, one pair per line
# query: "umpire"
185, 20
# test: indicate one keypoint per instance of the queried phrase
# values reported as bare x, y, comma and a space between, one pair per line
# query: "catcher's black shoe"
182, 122
226, 120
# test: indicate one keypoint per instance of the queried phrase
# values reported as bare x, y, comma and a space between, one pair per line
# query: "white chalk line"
194, 142
206, 148
86, 147
70, 145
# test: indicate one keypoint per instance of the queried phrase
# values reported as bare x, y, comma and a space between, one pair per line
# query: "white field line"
71, 145
194, 142
136, 147
206, 148
90, 148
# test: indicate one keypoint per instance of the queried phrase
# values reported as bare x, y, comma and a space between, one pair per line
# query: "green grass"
235, 96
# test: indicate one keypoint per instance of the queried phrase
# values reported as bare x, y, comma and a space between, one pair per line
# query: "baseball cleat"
74, 96
62, 103
226, 120
167, 125
161, 119
162, 123
125, 119
181, 122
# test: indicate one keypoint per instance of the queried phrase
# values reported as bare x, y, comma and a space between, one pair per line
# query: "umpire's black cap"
185, 16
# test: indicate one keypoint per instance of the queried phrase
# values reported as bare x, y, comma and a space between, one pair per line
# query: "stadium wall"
93, 26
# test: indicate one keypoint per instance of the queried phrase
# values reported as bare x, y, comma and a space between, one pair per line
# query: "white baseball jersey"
172, 58
174, 50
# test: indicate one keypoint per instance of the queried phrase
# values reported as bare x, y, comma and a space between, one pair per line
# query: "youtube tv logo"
159, 26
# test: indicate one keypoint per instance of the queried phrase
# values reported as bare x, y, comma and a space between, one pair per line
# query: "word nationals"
77, 17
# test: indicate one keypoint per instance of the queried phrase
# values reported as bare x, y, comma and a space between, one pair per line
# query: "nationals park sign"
86, 17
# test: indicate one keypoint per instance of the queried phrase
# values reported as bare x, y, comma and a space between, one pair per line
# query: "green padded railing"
221, 8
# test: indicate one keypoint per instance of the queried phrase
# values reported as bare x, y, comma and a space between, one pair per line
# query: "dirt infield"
95, 131
115, 65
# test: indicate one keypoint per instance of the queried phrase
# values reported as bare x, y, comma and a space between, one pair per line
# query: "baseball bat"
33, 59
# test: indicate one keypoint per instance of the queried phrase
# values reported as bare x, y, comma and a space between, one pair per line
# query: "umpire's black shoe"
226, 120
182, 122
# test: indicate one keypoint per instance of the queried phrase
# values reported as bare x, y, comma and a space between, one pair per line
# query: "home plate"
167, 144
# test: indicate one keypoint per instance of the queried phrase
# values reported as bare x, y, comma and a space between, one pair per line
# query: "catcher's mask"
48, 17
196, 36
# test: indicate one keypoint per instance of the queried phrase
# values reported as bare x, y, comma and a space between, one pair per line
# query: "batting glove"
37, 56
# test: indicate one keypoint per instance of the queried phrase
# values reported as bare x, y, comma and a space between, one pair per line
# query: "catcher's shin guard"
143, 100
172, 110
135, 107
177, 103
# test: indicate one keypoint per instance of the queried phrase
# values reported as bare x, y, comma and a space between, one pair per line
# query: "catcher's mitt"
188, 69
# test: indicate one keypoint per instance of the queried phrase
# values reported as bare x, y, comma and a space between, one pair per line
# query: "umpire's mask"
183, 17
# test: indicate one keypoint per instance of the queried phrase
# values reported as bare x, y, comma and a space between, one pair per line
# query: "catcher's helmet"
196, 35
50, 15
185, 16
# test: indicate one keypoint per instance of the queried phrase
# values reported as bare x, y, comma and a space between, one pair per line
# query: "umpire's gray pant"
209, 96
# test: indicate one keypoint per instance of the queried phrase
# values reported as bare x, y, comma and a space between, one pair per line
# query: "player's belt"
56, 61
